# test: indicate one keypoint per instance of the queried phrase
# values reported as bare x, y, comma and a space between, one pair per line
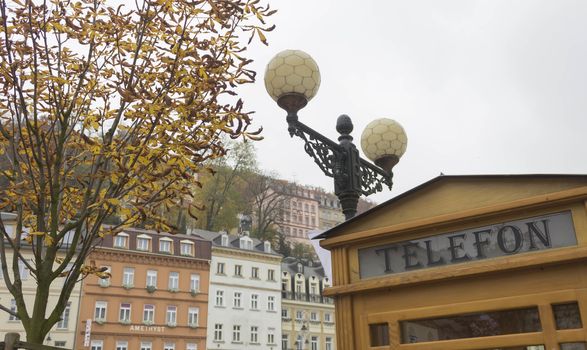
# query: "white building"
244, 308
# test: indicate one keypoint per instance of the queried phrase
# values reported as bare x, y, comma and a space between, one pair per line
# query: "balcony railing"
312, 298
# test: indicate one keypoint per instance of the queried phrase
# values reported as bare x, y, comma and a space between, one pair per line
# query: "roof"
233, 241
290, 265
341, 228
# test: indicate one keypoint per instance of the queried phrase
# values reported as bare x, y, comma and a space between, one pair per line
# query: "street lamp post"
292, 79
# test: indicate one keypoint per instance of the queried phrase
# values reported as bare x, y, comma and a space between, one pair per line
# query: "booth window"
483, 324
567, 316
379, 333
573, 346
524, 347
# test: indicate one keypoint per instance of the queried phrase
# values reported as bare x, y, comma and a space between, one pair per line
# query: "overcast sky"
481, 87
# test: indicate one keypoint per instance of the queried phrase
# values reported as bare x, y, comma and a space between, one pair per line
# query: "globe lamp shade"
384, 141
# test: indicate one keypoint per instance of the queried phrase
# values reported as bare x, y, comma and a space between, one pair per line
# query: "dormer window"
224, 240
187, 248
246, 243
165, 245
300, 268
144, 243
121, 240
267, 247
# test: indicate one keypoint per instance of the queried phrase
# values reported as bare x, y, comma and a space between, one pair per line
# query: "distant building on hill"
300, 213
306, 209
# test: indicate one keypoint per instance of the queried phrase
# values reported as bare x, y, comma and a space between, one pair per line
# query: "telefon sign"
509, 238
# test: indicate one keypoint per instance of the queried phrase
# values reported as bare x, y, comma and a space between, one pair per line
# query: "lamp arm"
373, 178
324, 151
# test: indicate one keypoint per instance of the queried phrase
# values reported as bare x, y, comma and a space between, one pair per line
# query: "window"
284, 341
313, 289
191, 346
165, 245
193, 316
122, 345
271, 303
313, 316
169, 346
271, 336
173, 281
23, 271
60, 343
144, 243
299, 343
379, 334
254, 301
219, 298
254, 334
284, 313
328, 343
271, 275
128, 277
97, 345
218, 332
195, 283
224, 240
124, 314
327, 317
121, 240
13, 309
171, 316
314, 343
186, 248
105, 282
299, 287
446, 327
148, 313
299, 315
567, 316
220, 268
236, 301
236, 333
100, 311
152, 278
238, 270
146, 345
255, 272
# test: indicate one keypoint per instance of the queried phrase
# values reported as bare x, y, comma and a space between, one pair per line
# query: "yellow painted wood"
548, 326
456, 194
434, 223
508, 263
533, 279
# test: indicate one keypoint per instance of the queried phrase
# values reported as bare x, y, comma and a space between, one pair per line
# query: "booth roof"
337, 230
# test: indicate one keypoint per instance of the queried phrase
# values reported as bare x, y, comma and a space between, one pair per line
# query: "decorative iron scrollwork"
322, 150
373, 178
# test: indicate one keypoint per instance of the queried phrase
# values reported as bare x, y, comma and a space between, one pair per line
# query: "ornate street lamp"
292, 79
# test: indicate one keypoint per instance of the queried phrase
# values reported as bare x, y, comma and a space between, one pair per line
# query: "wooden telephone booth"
466, 262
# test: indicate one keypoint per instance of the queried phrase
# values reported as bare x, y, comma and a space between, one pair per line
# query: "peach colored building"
157, 297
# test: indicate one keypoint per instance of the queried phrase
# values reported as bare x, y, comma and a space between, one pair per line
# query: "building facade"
156, 298
307, 315
63, 333
300, 213
329, 210
245, 299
